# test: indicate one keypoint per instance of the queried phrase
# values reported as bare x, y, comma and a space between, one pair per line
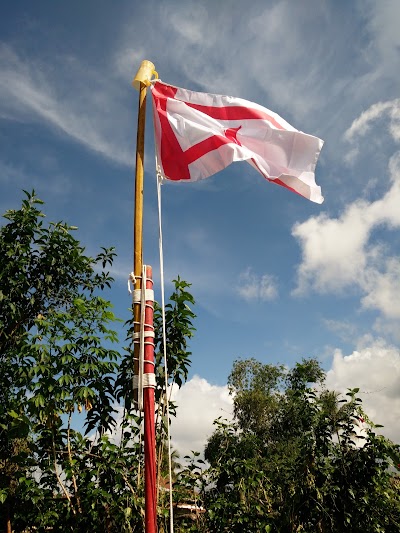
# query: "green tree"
58, 369
53, 323
179, 329
293, 459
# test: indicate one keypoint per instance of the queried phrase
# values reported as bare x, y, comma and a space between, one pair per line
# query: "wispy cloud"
60, 184
86, 112
383, 48
345, 330
387, 110
257, 287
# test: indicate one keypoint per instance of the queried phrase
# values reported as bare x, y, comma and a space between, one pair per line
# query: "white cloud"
339, 253
191, 23
383, 289
363, 123
383, 49
333, 249
199, 404
375, 369
127, 61
388, 328
255, 287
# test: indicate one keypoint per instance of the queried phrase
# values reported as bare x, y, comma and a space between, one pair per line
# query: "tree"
58, 369
178, 330
294, 459
53, 323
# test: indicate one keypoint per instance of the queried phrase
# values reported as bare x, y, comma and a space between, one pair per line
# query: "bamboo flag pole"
143, 75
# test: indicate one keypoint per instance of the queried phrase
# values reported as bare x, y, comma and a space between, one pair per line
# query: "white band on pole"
148, 381
136, 335
137, 295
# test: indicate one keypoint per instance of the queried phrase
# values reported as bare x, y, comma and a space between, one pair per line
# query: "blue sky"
275, 276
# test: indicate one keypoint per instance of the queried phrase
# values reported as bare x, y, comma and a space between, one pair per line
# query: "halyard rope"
160, 246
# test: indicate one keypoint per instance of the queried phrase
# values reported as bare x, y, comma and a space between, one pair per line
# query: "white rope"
160, 241
132, 279
144, 297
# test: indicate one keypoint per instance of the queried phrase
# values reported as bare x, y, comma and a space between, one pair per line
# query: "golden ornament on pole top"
144, 74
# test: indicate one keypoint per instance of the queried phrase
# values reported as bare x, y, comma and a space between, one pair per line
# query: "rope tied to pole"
144, 297
164, 336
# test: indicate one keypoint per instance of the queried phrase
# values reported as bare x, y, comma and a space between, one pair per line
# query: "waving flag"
199, 134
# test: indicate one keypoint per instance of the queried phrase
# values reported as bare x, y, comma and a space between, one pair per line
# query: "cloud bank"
341, 253
199, 404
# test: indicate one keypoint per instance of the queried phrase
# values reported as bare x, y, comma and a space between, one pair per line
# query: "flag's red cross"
231, 135
176, 161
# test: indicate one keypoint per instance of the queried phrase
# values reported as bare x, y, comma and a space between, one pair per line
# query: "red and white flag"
199, 134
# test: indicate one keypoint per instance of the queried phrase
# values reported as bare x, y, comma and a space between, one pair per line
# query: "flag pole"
143, 76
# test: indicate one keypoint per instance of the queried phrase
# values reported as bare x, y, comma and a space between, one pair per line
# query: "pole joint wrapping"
148, 296
148, 381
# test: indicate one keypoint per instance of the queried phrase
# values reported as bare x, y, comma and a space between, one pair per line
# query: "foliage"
58, 370
52, 359
178, 330
296, 459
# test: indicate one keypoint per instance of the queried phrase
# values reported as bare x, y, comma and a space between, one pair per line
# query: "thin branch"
63, 487
129, 485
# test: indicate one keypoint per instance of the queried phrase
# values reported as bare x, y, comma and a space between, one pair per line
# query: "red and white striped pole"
149, 408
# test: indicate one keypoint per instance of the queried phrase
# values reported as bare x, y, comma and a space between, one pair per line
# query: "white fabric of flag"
199, 134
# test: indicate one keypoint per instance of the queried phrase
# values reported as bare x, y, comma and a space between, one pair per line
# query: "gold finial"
144, 74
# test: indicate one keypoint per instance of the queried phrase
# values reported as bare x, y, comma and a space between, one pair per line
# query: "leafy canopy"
59, 371
298, 457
